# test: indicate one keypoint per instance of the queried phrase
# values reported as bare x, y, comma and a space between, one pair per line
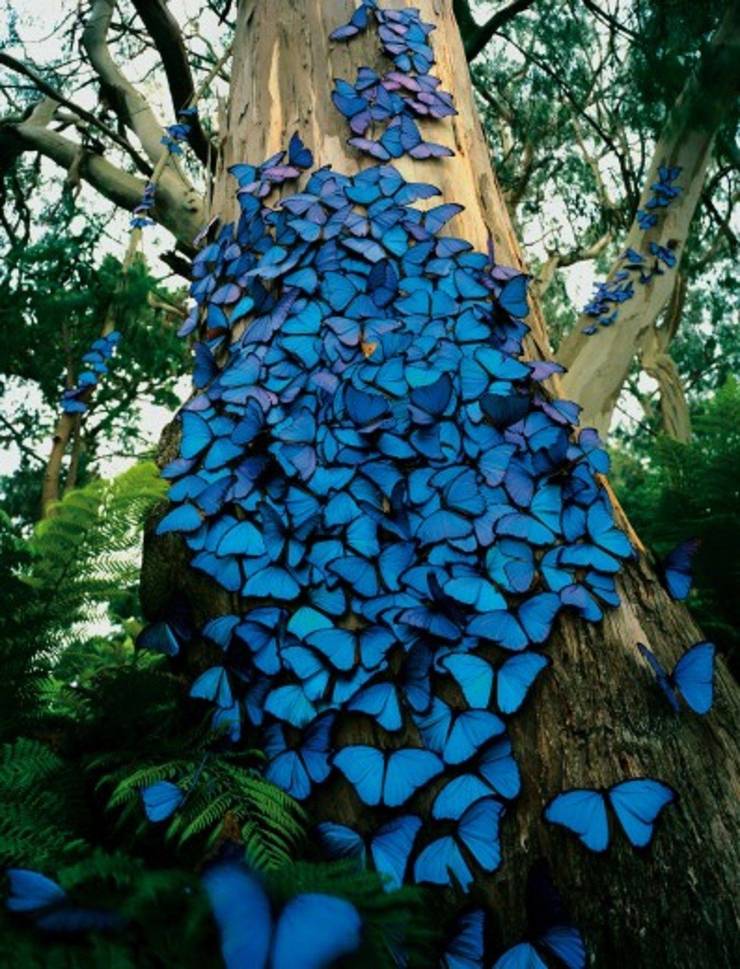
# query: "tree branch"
51, 92
476, 36
165, 31
131, 107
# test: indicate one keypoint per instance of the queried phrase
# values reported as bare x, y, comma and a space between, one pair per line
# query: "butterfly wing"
339, 841
31, 891
663, 680
441, 862
364, 768
514, 679
408, 770
693, 676
392, 846
677, 568
466, 949
322, 928
498, 766
478, 830
161, 800
637, 804
584, 813
241, 911
521, 956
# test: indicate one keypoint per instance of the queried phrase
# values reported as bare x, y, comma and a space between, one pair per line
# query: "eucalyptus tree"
597, 720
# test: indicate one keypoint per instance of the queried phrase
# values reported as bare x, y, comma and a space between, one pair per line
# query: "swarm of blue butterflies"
643, 267
95, 365
368, 463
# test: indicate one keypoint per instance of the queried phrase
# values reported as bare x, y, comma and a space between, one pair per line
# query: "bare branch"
49, 91
131, 107
557, 260
476, 37
165, 31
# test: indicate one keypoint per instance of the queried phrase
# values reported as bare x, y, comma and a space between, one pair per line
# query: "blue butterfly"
457, 737
692, 676
466, 949
636, 803
515, 677
550, 932
51, 909
390, 845
161, 800
676, 568
442, 862
160, 637
322, 928
295, 770
390, 778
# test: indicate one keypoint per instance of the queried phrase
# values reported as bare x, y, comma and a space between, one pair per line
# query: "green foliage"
99, 721
684, 490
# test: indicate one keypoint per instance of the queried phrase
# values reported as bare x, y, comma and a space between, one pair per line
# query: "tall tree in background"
595, 722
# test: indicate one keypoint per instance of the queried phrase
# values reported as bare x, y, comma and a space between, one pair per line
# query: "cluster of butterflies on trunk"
610, 294
370, 464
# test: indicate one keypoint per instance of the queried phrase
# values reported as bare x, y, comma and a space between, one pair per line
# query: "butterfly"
321, 927
442, 862
636, 803
161, 800
295, 770
676, 568
160, 637
51, 909
390, 778
692, 676
457, 737
390, 845
550, 932
465, 950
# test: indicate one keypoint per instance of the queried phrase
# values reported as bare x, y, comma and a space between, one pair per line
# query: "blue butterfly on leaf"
552, 938
692, 677
314, 928
50, 909
637, 803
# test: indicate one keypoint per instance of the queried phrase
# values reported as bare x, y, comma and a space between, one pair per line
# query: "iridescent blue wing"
321, 928
474, 676
470, 730
364, 768
379, 701
514, 679
693, 677
159, 637
661, 675
442, 863
466, 949
31, 891
408, 769
242, 913
677, 568
213, 685
339, 841
513, 297
521, 956
161, 800
478, 830
391, 846
637, 804
582, 812
457, 795
537, 615
498, 767
183, 518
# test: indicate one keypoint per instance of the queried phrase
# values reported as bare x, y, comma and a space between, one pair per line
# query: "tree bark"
596, 717
599, 364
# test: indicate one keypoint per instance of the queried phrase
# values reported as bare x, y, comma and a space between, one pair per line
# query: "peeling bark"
598, 365
597, 717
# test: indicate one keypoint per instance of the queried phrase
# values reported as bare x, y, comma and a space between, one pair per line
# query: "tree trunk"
597, 717
599, 363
